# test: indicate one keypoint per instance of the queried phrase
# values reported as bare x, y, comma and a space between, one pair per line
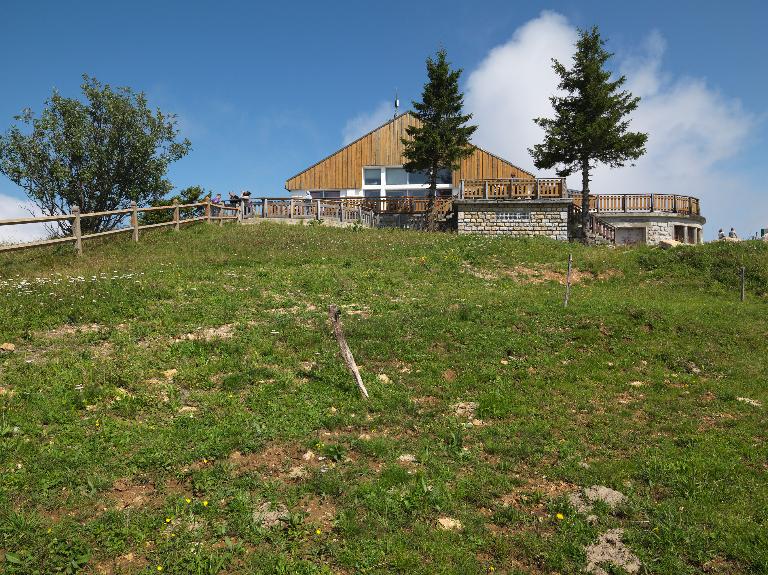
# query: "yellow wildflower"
560, 516
188, 501
167, 519
318, 532
205, 504
159, 567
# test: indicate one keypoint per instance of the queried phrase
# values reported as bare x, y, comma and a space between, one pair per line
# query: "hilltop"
180, 405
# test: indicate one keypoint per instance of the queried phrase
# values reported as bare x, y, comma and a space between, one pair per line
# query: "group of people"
234, 199
732, 234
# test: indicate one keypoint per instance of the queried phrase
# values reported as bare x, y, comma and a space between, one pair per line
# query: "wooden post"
461, 190
536, 192
651, 203
341, 210
485, 189
221, 216
743, 277
290, 208
360, 213
568, 280
346, 354
264, 208
317, 210
208, 210
240, 209
76, 233
176, 214
135, 221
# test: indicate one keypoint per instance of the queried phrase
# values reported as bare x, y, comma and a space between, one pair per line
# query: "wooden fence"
212, 212
627, 203
513, 189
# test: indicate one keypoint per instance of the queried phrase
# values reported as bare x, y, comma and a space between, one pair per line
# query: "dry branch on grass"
333, 315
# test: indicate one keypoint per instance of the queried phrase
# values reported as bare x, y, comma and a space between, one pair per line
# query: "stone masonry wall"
513, 218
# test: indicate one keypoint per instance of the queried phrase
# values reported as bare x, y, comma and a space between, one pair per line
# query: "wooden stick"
333, 315
568, 280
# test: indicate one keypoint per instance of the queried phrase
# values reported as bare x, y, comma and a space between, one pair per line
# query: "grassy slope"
89, 420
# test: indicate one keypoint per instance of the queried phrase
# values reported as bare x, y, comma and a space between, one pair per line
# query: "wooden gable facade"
383, 147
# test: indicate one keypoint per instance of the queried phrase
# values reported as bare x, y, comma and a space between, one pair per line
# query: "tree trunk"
432, 203
584, 199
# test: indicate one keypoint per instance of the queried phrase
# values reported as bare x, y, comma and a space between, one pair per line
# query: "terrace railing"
352, 210
211, 212
629, 203
513, 189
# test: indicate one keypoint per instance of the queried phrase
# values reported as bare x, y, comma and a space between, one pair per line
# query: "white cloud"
12, 208
367, 121
693, 129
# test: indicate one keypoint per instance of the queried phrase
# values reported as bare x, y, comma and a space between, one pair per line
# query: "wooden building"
372, 166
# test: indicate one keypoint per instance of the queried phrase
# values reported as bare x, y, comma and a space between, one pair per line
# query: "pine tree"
590, 126
442, 139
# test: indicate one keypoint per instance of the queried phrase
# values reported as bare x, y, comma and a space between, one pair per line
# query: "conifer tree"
590, 124
442, 139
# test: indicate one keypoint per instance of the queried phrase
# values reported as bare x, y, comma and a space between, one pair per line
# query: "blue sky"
264, 90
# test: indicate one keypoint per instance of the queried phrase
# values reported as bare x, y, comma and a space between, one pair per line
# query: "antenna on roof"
397, 103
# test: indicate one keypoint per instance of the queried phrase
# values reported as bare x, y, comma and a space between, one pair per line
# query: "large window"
396, 176
325, 194
418, 178
372, 176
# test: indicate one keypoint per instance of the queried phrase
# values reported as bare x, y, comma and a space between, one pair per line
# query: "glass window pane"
372, 176
372, 193
397, 193
444, 176
421, 193
396, 177
418, 177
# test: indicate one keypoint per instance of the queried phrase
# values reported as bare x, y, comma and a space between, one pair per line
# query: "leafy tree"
190, 195
590, 126
100, 153
442, 139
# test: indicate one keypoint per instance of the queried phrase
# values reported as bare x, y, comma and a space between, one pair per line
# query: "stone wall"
519, 218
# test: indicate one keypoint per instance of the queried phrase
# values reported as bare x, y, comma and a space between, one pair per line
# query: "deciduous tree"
99, 153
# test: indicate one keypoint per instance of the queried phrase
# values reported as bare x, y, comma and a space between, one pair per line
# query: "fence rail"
212, 212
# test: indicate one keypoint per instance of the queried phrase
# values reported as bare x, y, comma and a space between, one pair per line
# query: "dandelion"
167, 519
560, 516
159, 567
188, 501
491, 569
317, 532
205, 504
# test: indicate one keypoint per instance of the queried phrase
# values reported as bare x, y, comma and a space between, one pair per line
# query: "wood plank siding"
343, 170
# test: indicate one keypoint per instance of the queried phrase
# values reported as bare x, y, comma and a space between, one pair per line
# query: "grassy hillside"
179, 405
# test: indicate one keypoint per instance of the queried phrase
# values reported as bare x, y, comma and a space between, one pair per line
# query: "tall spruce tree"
591, 124
442, 139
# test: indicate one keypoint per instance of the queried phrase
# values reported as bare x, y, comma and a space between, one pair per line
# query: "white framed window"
395, 181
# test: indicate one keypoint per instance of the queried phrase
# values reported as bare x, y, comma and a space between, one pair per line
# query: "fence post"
264, 208
461, 190
536, 193
568, 280
76, 233
135, 221
360, 213
240, 208
485, 190
290, 208
208, 210
341, 210
317, 211
176, 214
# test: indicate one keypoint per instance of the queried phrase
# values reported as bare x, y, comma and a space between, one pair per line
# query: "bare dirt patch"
320, 511
68, 330
609, 550
583, 501
449, 375
529, 275
126, 494
225, 331
278, 460
128, 563
465, 409
268, 515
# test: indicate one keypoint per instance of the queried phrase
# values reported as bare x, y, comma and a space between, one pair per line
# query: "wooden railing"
627, 203
212, 212
351, 210
513, 189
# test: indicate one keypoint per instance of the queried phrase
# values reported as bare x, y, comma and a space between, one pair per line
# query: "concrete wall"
655, 226
519, 218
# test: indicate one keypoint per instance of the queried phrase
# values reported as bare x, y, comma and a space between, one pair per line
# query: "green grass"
100, 450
